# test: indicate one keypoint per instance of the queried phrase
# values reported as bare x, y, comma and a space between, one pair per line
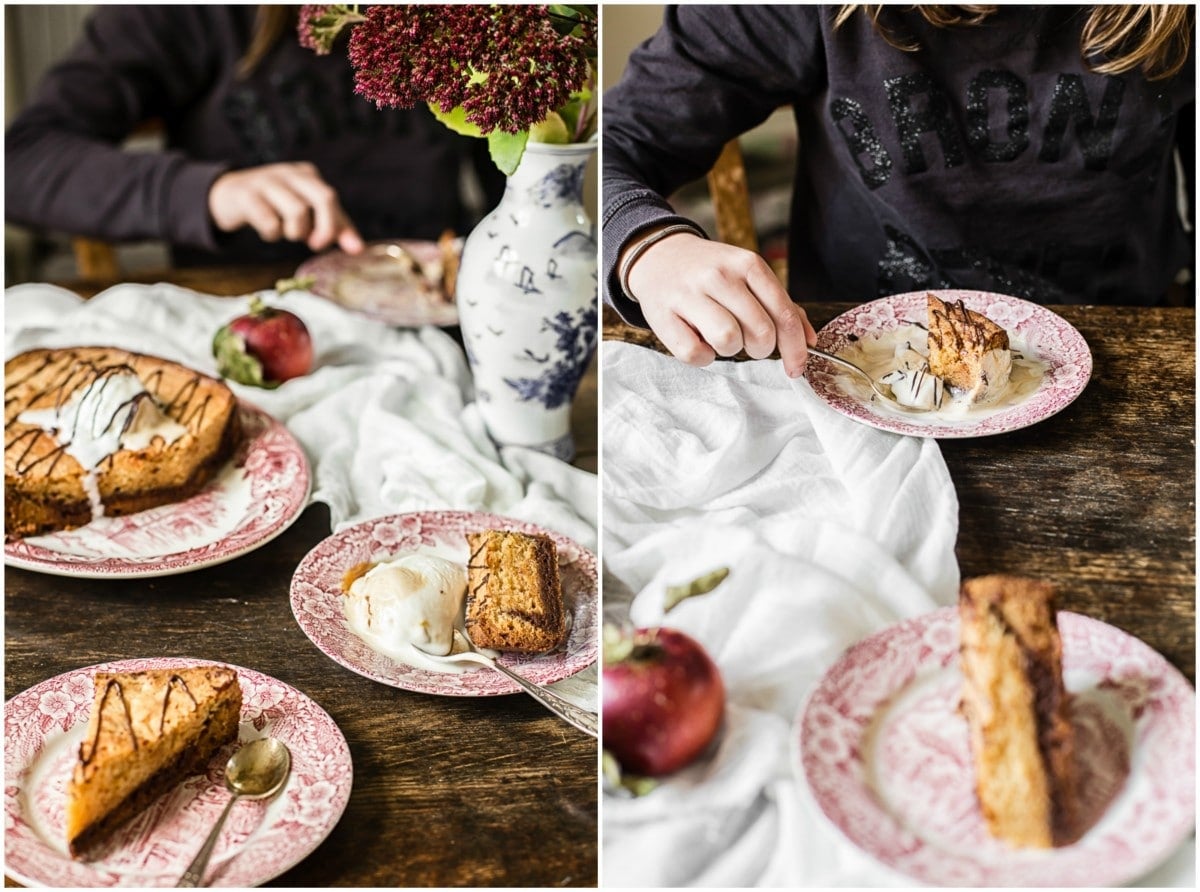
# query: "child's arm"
708, 75
705, 299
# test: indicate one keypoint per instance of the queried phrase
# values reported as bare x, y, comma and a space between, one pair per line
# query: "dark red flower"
507, 66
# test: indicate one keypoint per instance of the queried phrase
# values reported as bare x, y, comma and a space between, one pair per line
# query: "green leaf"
456, 120
552, 129
616, 781
234, 362
578, 113
299, 283
698, 586
618, 644
506, 149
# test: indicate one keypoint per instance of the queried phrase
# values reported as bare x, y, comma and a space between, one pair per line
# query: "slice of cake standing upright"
967, 350
1016, 709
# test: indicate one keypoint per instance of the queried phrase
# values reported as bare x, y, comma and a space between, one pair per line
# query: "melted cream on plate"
896, 358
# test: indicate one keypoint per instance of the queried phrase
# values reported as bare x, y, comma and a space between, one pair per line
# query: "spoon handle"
194, 875
837, 360
564, 709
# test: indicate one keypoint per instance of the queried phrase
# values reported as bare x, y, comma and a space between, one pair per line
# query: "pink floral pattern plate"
886, 756
258, 495
317, 602
43, 728
376, 285
1038, 332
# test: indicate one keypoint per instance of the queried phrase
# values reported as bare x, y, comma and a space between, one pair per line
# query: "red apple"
265, 347
663, 701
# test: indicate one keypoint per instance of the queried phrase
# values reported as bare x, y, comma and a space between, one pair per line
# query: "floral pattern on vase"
527, 296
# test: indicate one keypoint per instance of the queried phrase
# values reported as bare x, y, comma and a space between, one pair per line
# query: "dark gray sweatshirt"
396, 172
990, 159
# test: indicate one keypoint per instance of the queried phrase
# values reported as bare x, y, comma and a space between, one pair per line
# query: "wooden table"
447, 791
1099, 498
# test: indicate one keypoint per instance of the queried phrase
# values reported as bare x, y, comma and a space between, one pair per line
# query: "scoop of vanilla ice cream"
911, 381
413, 600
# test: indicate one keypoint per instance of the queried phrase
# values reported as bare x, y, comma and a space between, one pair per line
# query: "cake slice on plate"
967, 350
514, 594
1015, 704
147, 731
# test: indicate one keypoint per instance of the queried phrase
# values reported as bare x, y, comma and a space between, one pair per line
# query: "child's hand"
289, 201
705, 299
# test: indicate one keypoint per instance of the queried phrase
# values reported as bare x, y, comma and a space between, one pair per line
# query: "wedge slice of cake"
514, 594
147, 731
93, 431
967, 350
1015, 705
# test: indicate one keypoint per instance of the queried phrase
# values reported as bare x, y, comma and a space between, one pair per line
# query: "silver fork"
464, 651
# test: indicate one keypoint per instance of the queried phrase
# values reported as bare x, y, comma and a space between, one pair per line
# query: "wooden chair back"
731, 199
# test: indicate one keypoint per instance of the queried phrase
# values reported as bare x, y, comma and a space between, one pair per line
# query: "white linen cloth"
387, 417
832, 531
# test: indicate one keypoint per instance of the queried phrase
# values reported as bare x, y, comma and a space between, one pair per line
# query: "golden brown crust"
44, 486
958, 339
514, 593
146, 731
1016, 709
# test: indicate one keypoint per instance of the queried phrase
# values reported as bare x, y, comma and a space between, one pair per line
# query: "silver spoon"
464, 651
845, 363
256, 771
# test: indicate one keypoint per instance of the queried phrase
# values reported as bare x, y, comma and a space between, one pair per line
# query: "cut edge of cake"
514, 592
1016, 708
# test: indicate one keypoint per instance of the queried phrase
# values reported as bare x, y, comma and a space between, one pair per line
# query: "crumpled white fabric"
387, 417
831, 530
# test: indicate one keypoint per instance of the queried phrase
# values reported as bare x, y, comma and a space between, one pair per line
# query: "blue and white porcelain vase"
526, 297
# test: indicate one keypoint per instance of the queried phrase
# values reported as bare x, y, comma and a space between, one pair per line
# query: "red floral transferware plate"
317, 601
886, 756
43, 728
375, 284
1034, 331
257, 496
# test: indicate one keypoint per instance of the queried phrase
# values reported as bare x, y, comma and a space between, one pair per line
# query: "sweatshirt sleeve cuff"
185, 215
624, 219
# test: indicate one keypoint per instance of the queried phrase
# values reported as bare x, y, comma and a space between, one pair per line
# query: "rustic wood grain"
447, 791
1099, 499
489, 791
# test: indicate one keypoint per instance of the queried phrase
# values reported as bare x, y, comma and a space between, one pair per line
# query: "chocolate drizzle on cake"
514, 600
136, 432
187, 406
175, 682
113, 685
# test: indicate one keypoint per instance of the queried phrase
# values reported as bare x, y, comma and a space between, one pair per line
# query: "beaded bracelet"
639, 248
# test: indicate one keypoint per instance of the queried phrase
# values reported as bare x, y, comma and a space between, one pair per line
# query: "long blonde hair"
271, 23
1155, 39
